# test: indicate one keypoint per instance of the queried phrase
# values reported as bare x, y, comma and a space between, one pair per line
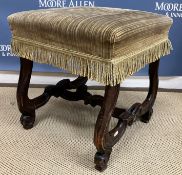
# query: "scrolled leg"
104, 140
24, 103
143, 111
101, 137
152, 93
28, 106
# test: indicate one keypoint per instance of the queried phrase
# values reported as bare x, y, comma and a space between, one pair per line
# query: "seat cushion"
104, 44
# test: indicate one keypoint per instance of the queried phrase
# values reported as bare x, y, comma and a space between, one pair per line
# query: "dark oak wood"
101, 137
28, 106
104, 139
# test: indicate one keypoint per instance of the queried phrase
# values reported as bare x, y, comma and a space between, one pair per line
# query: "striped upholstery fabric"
104, 44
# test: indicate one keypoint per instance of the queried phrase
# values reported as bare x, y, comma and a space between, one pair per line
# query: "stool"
97, 43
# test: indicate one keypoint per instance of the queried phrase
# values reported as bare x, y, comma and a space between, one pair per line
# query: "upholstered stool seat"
98, 43
104, 44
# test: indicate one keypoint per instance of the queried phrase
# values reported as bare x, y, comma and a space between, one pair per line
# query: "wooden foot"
101, 159
27, 121
145, 118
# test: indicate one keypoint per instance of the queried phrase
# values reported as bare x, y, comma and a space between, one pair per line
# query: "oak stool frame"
104, 139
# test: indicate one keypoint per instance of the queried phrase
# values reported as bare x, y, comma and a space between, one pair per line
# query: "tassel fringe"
110, 72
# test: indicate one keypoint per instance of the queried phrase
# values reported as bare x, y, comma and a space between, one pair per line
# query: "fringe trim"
108, 73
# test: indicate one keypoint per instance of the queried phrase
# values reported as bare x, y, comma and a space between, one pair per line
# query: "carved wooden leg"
152, 93
28, 106
24, 103
101, 140
104, 140
144, 110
